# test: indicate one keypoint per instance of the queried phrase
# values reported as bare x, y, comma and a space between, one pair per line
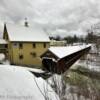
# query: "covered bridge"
59, 59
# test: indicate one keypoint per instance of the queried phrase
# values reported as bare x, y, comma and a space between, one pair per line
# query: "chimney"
26, 23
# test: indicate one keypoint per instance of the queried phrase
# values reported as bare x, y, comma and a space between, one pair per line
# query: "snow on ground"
34, 70
6, 62
17, 83
89, 65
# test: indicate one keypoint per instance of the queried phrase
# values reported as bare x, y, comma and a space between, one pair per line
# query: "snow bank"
17, 83
90, 65
34, 70
2, 56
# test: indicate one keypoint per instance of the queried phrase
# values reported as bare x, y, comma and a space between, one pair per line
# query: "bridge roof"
61, 52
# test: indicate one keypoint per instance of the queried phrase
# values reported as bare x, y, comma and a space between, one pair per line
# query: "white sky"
67, 15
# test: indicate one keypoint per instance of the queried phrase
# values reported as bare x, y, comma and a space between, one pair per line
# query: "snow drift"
19, 84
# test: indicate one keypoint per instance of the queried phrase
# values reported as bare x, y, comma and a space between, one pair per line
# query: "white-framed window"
15, 45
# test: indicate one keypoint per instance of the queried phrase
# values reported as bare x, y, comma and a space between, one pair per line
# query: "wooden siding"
26, 51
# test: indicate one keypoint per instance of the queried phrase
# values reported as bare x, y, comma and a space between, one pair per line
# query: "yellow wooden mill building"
24, 45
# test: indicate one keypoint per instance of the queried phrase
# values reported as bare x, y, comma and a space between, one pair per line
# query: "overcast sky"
56, 16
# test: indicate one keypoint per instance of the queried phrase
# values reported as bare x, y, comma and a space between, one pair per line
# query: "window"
34, 45
21, 57
6, 46
44, 45
33, 54
15, 45
20, 46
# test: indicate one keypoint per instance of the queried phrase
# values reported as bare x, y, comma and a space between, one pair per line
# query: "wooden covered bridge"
60, 59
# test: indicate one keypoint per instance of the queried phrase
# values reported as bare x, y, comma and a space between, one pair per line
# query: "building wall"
58, 43
31, 55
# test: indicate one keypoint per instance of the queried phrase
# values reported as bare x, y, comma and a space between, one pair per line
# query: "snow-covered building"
58, 43
25, 44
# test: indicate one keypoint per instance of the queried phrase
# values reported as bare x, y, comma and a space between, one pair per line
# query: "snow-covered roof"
19, 84
2, 41
61, 52
26, 34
